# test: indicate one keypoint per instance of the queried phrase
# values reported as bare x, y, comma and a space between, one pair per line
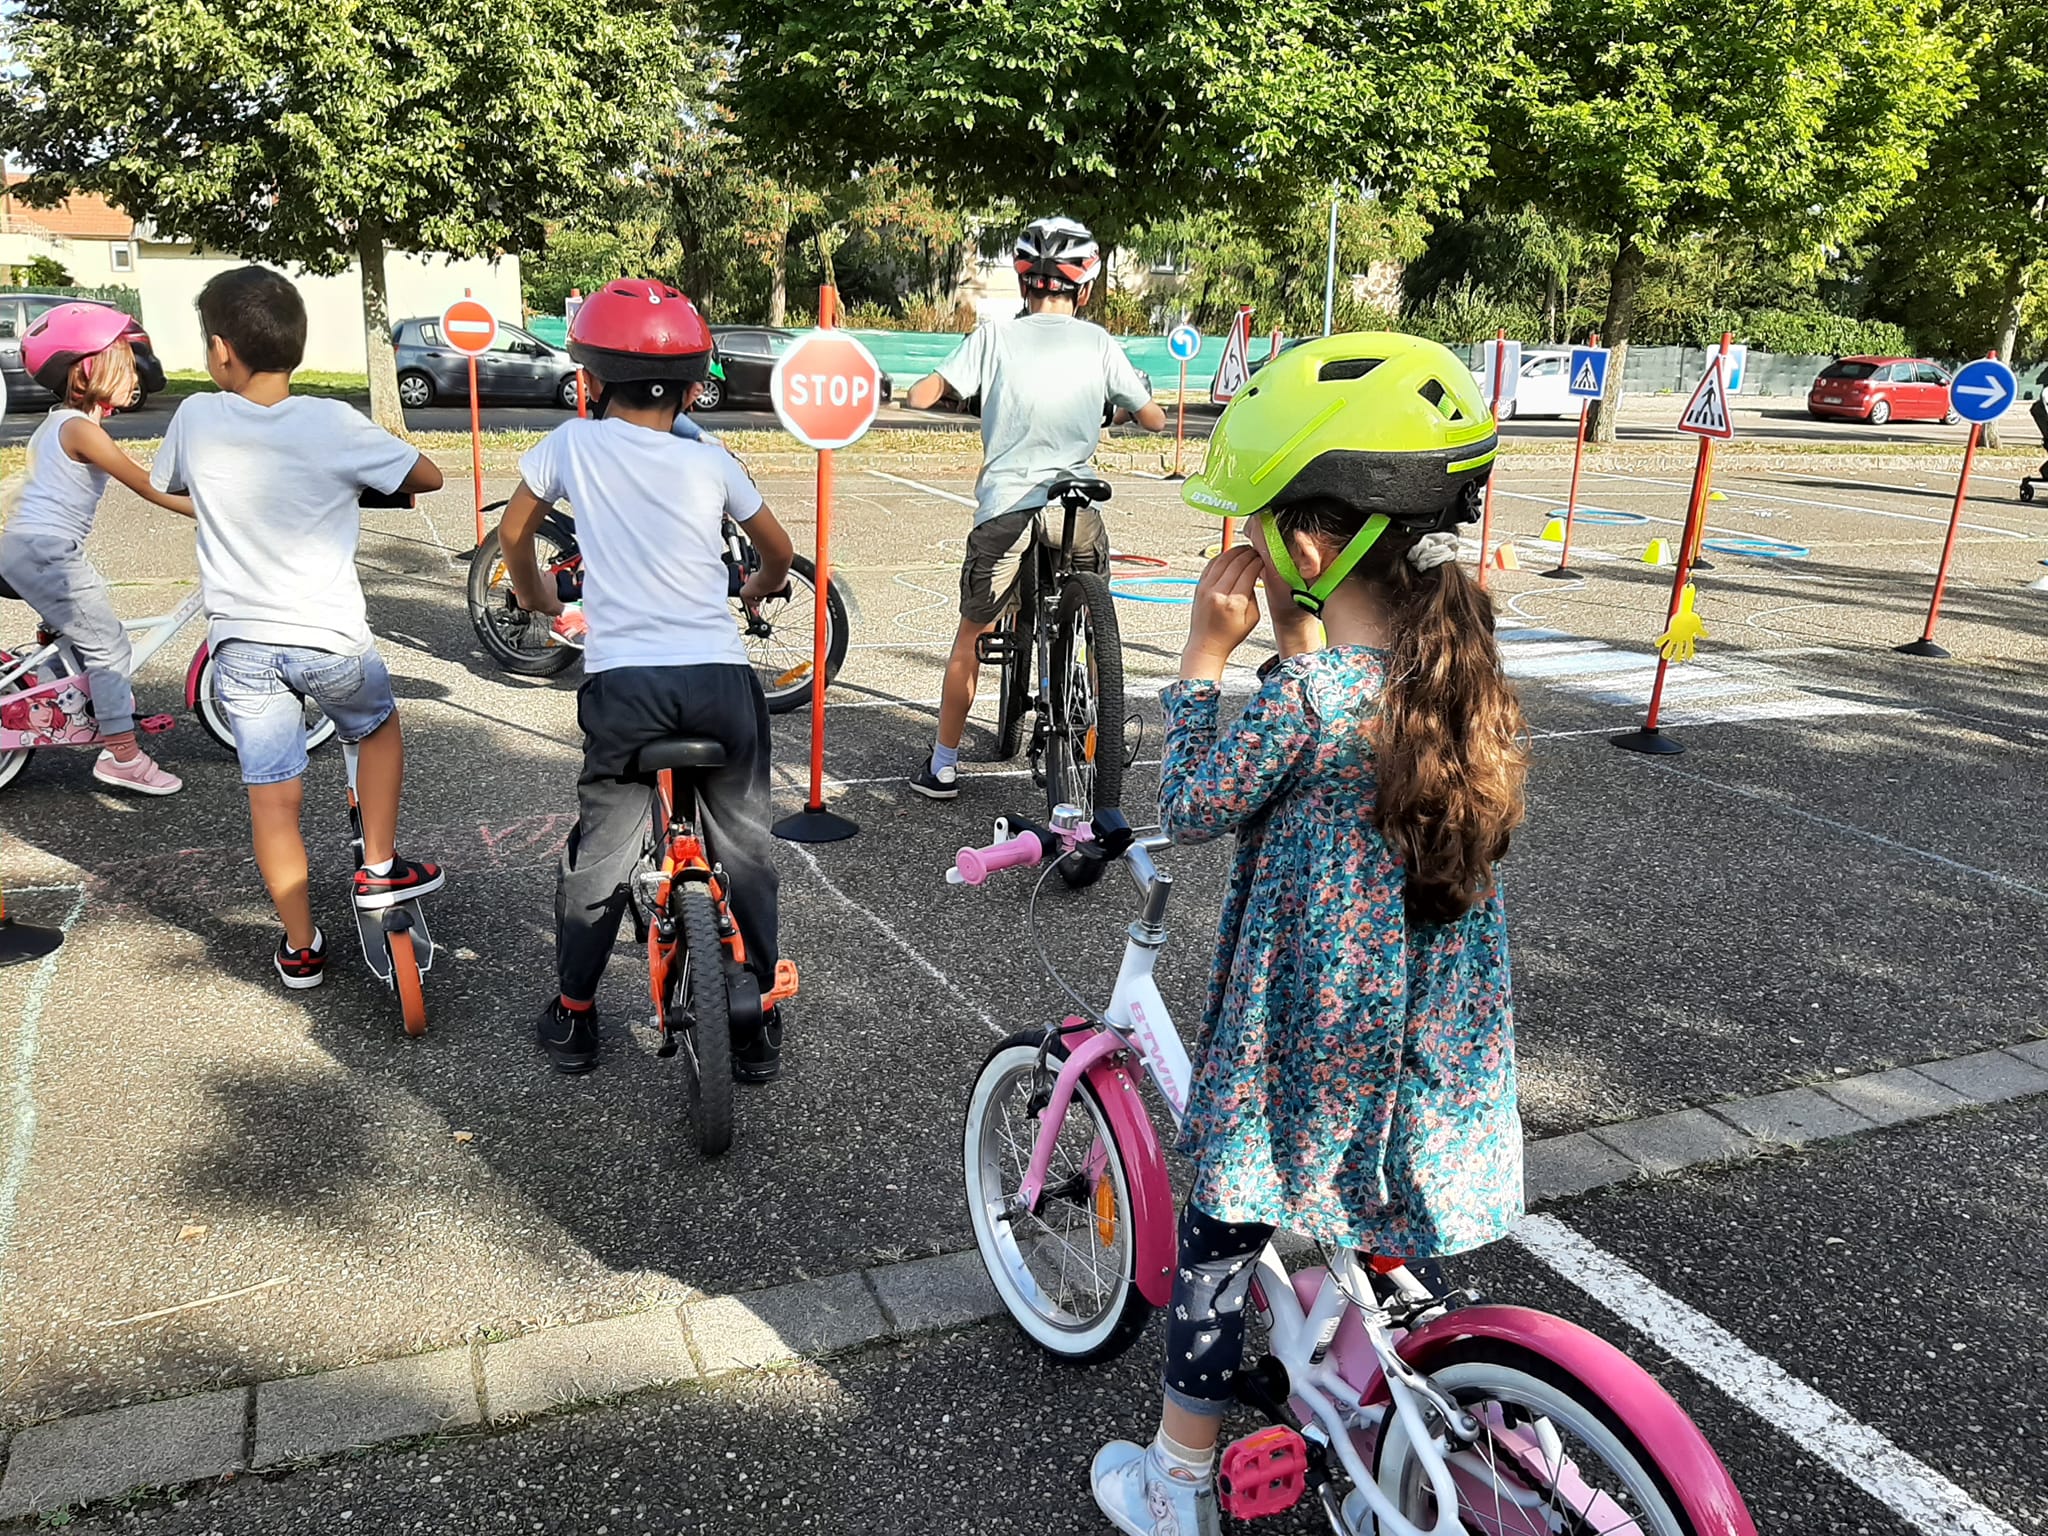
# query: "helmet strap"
1311, 598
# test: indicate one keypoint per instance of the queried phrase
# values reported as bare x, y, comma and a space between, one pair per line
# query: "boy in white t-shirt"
662, 656
275, 478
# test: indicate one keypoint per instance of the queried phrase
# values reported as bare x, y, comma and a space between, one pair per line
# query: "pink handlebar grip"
977, 864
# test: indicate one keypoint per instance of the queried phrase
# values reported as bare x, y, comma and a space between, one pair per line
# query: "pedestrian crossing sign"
1588, 371
1707, 414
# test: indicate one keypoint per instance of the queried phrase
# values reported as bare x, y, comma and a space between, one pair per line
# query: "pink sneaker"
140, 773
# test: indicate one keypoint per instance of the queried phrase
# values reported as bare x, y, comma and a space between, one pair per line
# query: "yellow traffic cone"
1715, 496
1657, 552
1504, 558
1553, 531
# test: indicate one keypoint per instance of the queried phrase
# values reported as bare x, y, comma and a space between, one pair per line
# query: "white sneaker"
1142, 1499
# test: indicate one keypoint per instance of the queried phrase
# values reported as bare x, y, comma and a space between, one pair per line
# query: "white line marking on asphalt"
919, 485
1863, 832
1865, 1456
899, 941
21, 1079
1835, 506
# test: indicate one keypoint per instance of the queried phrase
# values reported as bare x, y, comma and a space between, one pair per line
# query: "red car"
1881, 389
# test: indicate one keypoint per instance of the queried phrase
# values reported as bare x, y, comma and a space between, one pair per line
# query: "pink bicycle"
1402, 1409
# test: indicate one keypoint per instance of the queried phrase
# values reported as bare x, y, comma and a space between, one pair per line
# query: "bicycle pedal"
155, 725
1263, 1474
785, 984
992, 649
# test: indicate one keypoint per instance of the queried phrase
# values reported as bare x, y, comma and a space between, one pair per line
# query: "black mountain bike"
1064, 623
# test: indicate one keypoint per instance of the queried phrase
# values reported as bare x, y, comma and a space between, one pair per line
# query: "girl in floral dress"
1355, 1078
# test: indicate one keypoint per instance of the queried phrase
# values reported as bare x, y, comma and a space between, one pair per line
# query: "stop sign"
468, 326
826, 389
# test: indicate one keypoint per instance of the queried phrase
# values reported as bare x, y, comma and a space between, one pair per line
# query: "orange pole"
476, 449
819, 617
1695, 517
582, 395
1571, 497
1699, 533
1500, 351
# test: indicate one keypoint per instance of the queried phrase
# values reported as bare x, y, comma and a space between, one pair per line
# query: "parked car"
747, 354
19, 310
519, 367
1881, 389
1542, 387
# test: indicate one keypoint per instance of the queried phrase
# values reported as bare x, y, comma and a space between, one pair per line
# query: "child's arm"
87, 441
425, 475
515, 542
771, 540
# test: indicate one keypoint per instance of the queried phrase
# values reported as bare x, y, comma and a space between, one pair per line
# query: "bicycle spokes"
1526, 1475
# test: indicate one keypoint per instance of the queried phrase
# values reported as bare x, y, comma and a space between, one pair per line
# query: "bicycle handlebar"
971, 866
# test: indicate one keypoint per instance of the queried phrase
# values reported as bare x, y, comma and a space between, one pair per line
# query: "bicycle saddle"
1077, 492
680, 752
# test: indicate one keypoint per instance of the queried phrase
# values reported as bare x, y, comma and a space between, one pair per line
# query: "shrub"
1125, 313
867, 315
1458, 318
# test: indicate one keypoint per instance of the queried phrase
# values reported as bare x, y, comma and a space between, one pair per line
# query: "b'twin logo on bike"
1163, 1068
1210, 499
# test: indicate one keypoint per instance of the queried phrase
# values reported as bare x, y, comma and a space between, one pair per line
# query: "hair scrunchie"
1433, 550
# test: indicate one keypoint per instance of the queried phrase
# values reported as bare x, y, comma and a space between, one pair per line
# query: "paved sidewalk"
278, 1423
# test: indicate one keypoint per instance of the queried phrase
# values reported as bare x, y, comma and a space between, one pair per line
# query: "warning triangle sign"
1707, 413
1235, 367
1588, 380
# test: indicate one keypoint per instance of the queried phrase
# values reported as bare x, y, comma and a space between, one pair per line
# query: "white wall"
169, 278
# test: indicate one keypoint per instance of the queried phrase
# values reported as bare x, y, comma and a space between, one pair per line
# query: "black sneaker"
301, 968
757, 1052
936, 786
401, 882
569, 1036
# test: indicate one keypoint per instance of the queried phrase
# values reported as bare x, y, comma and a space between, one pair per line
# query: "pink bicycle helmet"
68, 334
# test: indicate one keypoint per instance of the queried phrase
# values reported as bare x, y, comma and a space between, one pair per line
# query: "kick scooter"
395, 939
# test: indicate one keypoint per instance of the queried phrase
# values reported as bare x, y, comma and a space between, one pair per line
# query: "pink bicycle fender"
1689, 1467
192, 676
1152, 1209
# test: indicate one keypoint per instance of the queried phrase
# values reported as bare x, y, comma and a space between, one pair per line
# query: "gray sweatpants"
53, 577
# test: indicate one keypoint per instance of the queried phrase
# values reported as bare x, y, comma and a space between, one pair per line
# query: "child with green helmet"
1355, 1076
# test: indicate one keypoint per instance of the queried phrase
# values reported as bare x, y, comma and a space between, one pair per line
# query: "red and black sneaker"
301, 968
401, 882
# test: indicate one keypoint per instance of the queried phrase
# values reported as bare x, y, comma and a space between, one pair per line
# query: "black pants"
1205, 1326
2039, 411
621, 711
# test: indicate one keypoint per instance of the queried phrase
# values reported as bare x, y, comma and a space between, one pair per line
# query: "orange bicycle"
696, 958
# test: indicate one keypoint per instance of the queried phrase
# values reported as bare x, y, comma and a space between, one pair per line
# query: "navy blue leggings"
1205, 1320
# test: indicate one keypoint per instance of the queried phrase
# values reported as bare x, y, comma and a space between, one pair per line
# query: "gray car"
519, 367
18, 311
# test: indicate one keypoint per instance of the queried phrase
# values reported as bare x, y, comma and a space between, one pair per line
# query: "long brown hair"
1450, 741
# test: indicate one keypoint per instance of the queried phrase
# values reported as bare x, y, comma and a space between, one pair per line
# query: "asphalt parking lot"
1843, 872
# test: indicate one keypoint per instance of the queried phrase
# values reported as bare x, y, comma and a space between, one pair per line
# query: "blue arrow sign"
1589, 372
1184, 341
1982, 390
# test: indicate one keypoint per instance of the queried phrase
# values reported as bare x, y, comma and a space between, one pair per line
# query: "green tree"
1124, 112
1651, 122
310, 133
45, 272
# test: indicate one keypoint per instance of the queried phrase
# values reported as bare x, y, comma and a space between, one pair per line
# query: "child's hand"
1225, 612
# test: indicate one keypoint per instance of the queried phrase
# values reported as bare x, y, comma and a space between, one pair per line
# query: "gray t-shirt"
275, 487
59, 496
1043, 382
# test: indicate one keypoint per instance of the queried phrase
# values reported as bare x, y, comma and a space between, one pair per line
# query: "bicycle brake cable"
1044, 959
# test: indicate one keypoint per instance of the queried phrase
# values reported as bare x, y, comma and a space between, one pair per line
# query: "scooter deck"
370, 929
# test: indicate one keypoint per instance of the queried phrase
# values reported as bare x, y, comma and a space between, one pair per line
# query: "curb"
281, 1423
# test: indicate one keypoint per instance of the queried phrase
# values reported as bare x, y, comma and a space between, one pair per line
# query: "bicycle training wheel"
781, 642
1553, 1457
1085, 754
1068, 1273
1013, 697
516, 640
405, 976
319, 729
706, 1034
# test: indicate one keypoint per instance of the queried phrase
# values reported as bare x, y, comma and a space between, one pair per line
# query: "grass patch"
309, 381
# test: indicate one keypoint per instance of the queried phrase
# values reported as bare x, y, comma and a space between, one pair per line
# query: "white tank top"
60, 495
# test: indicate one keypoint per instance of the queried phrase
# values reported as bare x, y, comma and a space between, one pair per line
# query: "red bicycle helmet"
62, 337
634, 328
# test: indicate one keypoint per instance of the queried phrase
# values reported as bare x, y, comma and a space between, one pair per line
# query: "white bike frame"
1299, 1338
156, 633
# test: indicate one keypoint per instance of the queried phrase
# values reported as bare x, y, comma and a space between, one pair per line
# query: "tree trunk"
1625, 281
383, 365
1552, 302
2008, 332
778, 271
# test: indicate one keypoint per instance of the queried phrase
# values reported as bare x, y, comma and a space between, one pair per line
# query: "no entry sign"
468, 326
826, 390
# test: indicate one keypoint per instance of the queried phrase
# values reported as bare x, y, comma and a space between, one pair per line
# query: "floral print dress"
1355, 1077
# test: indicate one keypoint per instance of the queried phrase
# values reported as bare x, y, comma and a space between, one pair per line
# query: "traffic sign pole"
1564, 571
1979, 393
470, 328
1649, 738
1925, 645
476, 450
1500, 354
1180, 423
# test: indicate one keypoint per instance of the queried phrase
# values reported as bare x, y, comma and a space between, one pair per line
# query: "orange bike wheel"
405, 973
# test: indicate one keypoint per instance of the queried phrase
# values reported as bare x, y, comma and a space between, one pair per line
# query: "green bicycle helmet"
1392, 426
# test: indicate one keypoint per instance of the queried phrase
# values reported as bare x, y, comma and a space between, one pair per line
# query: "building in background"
100, 246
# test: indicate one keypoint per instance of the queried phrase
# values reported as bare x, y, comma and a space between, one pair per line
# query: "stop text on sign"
826, 390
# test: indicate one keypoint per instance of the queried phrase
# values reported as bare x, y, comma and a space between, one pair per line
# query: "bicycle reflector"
1265, 1473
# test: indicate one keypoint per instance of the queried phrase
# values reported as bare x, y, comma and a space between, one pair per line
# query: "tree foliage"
313, 132
1125, 113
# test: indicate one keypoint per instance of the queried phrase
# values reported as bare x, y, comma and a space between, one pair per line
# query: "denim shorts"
262, 688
